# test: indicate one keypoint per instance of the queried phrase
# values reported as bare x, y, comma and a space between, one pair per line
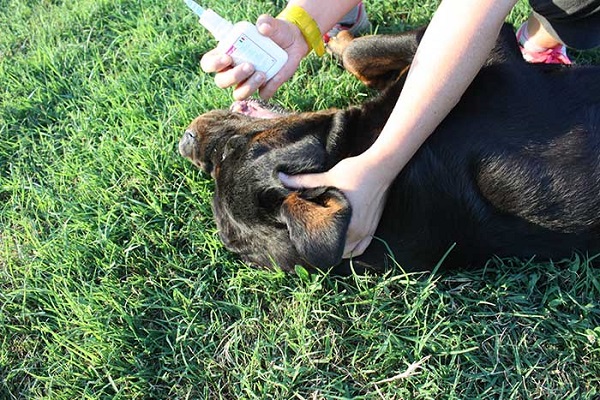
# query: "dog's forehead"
218, 122
212, 122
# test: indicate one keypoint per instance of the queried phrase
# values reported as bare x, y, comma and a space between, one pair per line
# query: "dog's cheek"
317, 226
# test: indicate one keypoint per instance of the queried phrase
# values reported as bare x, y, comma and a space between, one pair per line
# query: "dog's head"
258, 218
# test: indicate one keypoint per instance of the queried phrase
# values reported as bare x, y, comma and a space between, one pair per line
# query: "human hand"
244, 77
364, 191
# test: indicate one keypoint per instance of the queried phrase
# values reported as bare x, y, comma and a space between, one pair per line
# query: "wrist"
379, 167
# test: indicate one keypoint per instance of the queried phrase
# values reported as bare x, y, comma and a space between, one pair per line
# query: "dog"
512, 171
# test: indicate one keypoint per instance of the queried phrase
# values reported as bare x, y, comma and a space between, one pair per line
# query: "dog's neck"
361, 124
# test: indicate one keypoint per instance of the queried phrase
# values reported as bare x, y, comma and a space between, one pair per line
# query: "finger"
362, 246
355, 249
215, 61
234, 76
289, 38
267, 91
349, 249
249, 86
278, 30
289, 181
303, 181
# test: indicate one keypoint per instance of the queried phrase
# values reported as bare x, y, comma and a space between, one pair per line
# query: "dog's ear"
317, 221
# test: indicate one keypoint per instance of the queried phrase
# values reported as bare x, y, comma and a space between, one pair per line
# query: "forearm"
453, 49
326, 13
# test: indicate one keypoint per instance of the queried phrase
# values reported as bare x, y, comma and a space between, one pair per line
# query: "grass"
113, 283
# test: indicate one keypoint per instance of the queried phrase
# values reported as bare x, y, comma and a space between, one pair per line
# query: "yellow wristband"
307, 25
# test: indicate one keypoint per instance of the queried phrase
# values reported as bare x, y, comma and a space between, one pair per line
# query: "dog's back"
512, 172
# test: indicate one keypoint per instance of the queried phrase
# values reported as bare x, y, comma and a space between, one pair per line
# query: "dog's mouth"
258, 109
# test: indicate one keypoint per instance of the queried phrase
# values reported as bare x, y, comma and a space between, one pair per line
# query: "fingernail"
284, 178
224, 60
247, 68
259, 77
262, 21
263, 27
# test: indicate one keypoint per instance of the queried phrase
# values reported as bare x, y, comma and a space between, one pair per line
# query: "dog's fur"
513, 171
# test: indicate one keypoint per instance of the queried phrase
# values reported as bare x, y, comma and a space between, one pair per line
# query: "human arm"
452, 50
288, 36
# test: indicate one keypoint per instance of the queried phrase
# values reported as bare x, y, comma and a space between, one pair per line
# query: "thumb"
276, 29
302, 181
287, 36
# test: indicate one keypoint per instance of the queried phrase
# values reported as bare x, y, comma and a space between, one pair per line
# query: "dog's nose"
186, 143
190, 134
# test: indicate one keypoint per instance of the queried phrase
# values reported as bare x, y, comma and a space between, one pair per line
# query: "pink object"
555, 55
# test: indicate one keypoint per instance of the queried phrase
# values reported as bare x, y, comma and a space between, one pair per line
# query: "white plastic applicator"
242, 41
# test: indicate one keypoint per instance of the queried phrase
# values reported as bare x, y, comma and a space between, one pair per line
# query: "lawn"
114, 284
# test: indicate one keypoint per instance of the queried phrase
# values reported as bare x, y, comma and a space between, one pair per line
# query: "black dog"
513, 171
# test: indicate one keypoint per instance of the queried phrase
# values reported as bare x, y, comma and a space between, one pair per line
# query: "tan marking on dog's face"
278, 132
314, 216
270, 136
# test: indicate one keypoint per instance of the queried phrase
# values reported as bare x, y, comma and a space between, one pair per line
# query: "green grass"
113, 283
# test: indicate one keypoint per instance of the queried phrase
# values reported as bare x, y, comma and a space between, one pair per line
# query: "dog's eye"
232, 144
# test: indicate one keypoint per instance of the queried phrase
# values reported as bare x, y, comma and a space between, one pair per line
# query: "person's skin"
453, 49
287, 36
540, 36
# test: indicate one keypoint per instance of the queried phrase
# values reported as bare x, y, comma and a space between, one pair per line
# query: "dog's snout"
190, 134
186, 144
